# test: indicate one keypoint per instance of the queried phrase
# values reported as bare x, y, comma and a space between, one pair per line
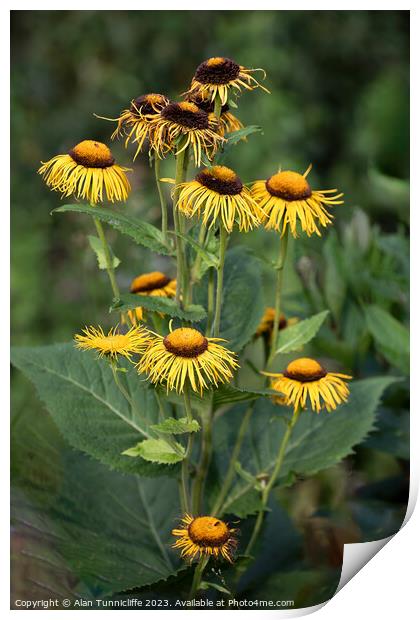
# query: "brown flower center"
186, 342
208, 532
148, 104
289, 186
305, 370
206, 104
149, 282
220, 179
217, 70
92, 154
186, 114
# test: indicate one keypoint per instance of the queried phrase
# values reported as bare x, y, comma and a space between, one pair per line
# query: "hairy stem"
230, 474
162, 201
267, 489
198, 573
206, 449
277, 306
108, 259
180, 258
210, 302
186, 461
224, 239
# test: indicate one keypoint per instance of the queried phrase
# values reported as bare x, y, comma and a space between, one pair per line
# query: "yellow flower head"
113, 344
305, 377
153, 284
218, 195
205, 536
85, 171
219, 75
185, 120
267, 322
228, 122
134, 122
185, 354
286, 198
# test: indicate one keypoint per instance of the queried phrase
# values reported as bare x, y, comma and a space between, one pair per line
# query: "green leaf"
227, 394
96, 245
165, 305
157, 451
391, 337
176, 427
79, 392
143, 233
242, 303
318, 440
234, 137
209, 258
294, 337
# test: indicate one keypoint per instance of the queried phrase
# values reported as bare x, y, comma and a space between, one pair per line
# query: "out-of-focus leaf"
334, 280
227, 393
392, 433
391, 337
294, 337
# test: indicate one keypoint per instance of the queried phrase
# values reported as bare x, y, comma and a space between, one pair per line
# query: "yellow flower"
218, 194
113, 344
228, 122
287, 197
205, 536
305, 377
153, 284
219, 75
185, 120
134, 122
267, 322
85, 171
185, 354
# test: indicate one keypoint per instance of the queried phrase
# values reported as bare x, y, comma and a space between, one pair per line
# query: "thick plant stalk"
277, 306
198, 573
230, 474
204, 462
180, 172
162, 201
186, 461
210, 302
267, 489
224, 239
108, 259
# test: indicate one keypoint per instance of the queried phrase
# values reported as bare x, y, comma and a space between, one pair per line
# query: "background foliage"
339, 83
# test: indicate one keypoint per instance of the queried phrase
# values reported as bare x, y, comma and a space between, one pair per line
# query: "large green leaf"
165, 305
80, 394
82, 530
318, 441
391, 337
142, 232
294, 337
334, 280
242, 303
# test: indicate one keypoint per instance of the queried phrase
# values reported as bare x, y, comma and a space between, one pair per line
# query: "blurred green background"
339, 83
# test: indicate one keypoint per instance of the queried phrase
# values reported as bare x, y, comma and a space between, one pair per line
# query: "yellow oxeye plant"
208, 386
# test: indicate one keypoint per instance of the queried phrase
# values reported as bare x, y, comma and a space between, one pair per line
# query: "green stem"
230, 474
180, 258
217, 106
224, 239
127, 397
206, 449
197, 263
108, 259
272, 480
277, 306
198, 573
162, 201
210, 301
186, 461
